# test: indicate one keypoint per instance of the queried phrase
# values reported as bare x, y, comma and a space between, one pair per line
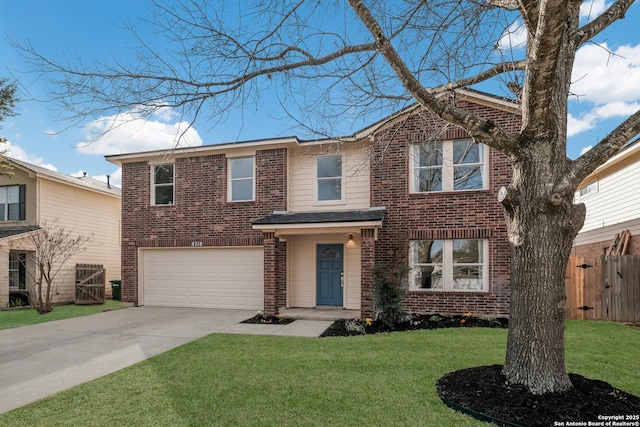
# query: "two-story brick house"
32, 196
282, 222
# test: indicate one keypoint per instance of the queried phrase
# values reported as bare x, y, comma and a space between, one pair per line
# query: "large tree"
345, 58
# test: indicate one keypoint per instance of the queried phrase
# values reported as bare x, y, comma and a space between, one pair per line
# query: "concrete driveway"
39, 360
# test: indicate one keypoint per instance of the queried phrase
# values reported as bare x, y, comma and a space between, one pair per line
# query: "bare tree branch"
605, 149
529, 10
542, 65
496, 70
481, 129
616, 11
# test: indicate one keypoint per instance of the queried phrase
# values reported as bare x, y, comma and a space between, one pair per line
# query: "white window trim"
230, 180
447, 268
447, 168
342, 199
153, 183
5, 189
15, 269
588, 190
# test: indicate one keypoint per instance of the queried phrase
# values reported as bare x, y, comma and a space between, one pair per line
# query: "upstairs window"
590, 188
449, 265
12, 203
163, 184
448, 166
427, 167
329, 178
468, 161
241, 179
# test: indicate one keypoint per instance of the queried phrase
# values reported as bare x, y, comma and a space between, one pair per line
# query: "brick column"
129, 274
367, 262
274, 274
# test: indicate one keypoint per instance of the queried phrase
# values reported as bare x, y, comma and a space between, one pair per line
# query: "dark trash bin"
116, 291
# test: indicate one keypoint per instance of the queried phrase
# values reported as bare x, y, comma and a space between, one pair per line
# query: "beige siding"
617, 197
355, 165
21, 177
352, 274
302, 269
86, 213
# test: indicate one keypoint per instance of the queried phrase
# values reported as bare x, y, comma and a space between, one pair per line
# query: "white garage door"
203, 277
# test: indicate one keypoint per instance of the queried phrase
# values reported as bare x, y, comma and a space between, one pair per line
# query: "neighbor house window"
241, 181
329, 178
449, 265
590, 188
163, 184
12, 203
17, 273
448, 166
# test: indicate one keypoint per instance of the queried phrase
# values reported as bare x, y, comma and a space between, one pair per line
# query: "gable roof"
472, 95
85, 182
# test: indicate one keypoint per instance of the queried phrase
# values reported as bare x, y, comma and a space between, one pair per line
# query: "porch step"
320, 313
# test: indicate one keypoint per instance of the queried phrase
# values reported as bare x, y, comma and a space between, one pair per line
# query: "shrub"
388, 295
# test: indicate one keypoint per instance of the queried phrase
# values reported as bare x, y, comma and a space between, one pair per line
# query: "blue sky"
608, 85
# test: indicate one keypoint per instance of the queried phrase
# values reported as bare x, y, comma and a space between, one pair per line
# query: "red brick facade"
202, 214
444, 215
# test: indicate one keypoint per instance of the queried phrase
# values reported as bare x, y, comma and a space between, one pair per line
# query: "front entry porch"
320, 259
319, 313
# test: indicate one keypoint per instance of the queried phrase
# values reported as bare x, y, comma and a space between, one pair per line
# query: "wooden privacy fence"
607, 288
90, 284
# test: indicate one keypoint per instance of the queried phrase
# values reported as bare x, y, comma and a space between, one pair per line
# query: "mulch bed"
268, 319
417, 322
484, 393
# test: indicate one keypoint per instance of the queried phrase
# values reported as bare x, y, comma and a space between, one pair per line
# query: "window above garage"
241, 179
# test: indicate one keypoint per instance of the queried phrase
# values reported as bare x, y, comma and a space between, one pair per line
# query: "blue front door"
330, 267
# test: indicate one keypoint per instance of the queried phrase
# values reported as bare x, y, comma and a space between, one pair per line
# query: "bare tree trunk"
542, 225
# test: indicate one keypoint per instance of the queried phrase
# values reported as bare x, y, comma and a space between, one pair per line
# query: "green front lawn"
376, 380
29, 316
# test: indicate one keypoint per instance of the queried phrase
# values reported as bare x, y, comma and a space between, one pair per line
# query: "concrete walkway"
40, 360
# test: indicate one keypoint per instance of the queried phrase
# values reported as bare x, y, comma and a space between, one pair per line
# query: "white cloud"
19, 153
606, 83
166, 114
590, 119
602, 75
592, 9
131, 132
514, 37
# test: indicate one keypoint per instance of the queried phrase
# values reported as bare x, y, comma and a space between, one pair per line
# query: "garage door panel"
203, 277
